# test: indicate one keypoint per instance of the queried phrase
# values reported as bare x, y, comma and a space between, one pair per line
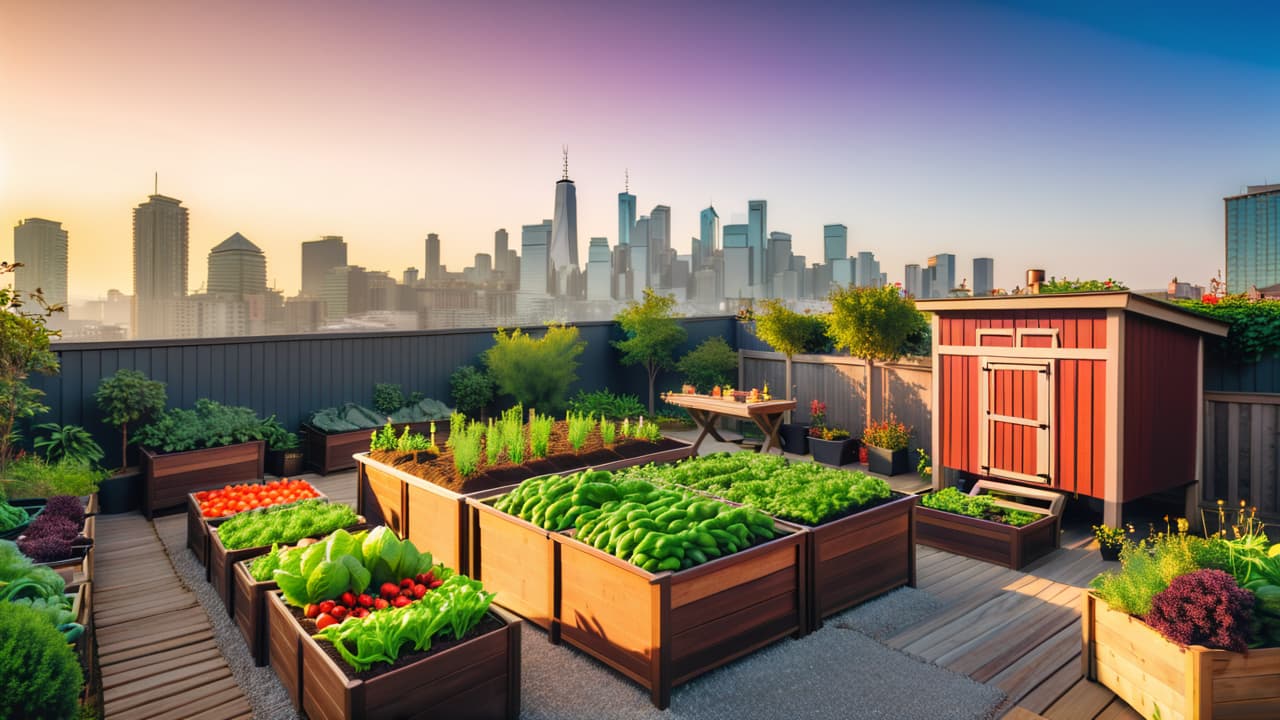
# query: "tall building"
942, 275
779, 259
626, 214
500, 250
1253, 238
563, 249
868, 270
237, 267
535, 263
911, 281
735, 238
984, 271
318, 257
160, 248
708, 237
757, 231
638, 255
41, 246
599, 272
431, 271
835, 243
660, 246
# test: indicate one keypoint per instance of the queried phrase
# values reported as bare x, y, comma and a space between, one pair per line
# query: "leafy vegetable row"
284, 523
951, 500
37, 587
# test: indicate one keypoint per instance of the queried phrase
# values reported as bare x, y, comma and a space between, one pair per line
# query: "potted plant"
886, 443
284, 450
1110, 541
126, 398
831, 445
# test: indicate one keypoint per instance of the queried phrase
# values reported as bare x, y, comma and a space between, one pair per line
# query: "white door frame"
1043, 422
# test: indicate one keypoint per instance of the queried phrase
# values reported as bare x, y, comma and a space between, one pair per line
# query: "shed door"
1015, 406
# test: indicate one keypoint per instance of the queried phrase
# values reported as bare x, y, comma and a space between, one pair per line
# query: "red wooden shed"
1099, 394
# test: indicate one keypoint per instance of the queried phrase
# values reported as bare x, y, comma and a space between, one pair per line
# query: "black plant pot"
1110, 553
284, 463
886, 462
795, 438
120, 493
833, 452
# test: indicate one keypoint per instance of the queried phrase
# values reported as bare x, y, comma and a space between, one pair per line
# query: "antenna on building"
156, 189
565, 149
626, 180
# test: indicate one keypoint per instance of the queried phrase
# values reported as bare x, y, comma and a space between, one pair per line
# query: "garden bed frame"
198, 528
1153, 674
990, 541
520, 563
167, 478
250, 610
331, 452
479, 678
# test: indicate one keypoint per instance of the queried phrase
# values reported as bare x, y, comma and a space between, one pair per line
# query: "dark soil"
561, 457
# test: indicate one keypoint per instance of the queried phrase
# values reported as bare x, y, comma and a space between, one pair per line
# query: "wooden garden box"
331, 452
168, 478
664, 629
513, 558
479, 678
859, 557
221, 562
250, 610
198, 529
990, 541
1155, 675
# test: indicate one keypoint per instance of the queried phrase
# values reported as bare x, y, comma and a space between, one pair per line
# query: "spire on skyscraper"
626, 180
565, 149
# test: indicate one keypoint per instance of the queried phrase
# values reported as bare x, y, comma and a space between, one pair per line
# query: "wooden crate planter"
330, 452
513, 558
250, 610
994, 542
168, 478
221, 562
664, 629
1152, 673
198, 529
479, 678
859, 557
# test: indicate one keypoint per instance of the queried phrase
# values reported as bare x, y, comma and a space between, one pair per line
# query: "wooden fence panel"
1242, 452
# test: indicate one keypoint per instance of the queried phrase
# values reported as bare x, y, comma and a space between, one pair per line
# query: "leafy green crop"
466, 446
579, 428
284, 523
606, 404
950, 499
540, 427
210, 424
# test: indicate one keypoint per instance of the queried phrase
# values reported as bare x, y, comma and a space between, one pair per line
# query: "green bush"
39, 674
1255, 326
1146, 569
67, 442
33, 477
471, 390
210, 424
537, 372
1056, 286
387, 397
710, 364
606, 404
873, 323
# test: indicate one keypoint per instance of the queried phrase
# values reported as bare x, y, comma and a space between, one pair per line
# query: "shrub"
67, 442
1056, 286
788, 331
888, 435
873, 323
1254, 331
126, 398
1146, 569
1204, 607
24, 350
606, 404
471, 390
210, 424
33, 477
710, 364
387, 397
536, 372
39, 674
653, 334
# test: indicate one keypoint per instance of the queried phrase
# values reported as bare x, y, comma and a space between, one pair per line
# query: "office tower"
1253, 238
484, 265
409, 277
535, 263
708, 238
41, 246
779, 255
563, 248
638, 254
868, 270
735, 237
942, 275
237, 267
500, 250
757, 231
160, 247
835, 243
911, 279
431, 270
626, 213
318, 257
660, 246
843, 272
984, 271
599, 271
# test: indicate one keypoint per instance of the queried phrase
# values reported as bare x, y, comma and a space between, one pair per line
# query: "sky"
1090, 139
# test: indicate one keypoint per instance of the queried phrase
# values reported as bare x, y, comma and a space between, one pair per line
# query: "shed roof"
1127, 301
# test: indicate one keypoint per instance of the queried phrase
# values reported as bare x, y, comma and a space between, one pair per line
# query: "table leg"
769, 425
706, 421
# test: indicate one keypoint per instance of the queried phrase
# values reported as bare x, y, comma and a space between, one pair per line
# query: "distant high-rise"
708, 238
237, 267
659, 246
599, 275
942, 275
835, 243
160, 249
500, 250
1253, 238
41, 246
638, 253
626, 214
757, 232
431, 271
535, 263
868, 270
984, 270
563, 250
318, 257
911, 281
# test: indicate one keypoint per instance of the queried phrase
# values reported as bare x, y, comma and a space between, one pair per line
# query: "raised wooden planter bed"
250, 610
860, 556
990, 541
1155, 675
664, 629
198, 529
513, 558
168, 478
331, 452
479, 678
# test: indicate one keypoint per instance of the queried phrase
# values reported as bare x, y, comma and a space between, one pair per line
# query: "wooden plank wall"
291, 376
1242, 451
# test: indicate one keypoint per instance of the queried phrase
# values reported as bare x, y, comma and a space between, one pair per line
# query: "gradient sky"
1069, 136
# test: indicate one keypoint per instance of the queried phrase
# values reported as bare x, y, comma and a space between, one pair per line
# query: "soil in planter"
560, 457
438, 645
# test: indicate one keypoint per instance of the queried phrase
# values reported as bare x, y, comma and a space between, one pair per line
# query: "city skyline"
1042, 137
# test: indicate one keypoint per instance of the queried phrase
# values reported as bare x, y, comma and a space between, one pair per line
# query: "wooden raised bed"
198, 529
990, 541
664, 629
250, 610
169, 477
221, 562
519, 563
479, 678
331, 452
1155, 675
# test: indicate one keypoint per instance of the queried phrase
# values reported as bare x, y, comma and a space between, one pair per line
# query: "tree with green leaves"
874, 324
127, 398
712, 363
537, 372
24, 349
790, 333
653, 334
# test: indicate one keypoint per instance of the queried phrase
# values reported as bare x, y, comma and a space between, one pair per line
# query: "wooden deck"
156, 649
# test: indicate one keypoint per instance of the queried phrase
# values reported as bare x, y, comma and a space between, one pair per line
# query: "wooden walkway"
156, 649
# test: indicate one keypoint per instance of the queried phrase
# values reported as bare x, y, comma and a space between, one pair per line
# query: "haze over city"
1082, 141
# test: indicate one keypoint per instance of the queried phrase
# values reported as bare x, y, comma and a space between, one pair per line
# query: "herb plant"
67, 442
1204, 607
540, 427
608, 431
950, 499
210, 424
606, 404
466, 447
284, 524
579, 427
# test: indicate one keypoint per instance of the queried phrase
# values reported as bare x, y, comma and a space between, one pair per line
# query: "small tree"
536, 372
126, 398
653, 334
789, 333
24, 349
712, 363
873, 324
471, 390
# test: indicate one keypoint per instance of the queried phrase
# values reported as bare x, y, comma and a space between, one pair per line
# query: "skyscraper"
984, 271
431, 271
638, 256
868, 270
660, 246
500, 250
626, 213
942, 275
535, 263
599, 274
160, 248
1253, 238
563, 250
911, 281
237, 267
318, 257
835, 243
708, 238
757, 231
41, 246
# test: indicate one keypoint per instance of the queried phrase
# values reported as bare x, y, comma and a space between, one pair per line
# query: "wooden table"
705, 410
